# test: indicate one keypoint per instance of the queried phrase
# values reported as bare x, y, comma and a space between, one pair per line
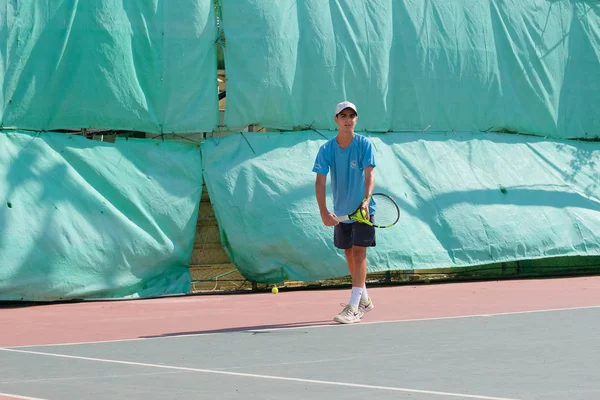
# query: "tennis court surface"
520, 339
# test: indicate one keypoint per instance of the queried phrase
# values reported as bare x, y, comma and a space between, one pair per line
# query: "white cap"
343, 105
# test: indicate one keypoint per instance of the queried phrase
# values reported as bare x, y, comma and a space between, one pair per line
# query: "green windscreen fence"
527, 66
83, 219
473, 65
466, 199
127, 65
87, 219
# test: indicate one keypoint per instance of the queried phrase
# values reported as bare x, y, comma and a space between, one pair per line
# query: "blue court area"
549, 355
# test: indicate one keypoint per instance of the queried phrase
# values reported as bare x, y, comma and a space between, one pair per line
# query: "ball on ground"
274, 290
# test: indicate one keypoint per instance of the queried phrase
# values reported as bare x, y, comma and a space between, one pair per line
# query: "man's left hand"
365, 207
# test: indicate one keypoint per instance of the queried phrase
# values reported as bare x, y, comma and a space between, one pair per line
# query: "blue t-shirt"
347, 172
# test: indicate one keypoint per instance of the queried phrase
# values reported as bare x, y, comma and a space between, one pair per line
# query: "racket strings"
386, 210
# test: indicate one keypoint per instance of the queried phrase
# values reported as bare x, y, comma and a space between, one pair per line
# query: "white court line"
332, 325
272, 377
16, 396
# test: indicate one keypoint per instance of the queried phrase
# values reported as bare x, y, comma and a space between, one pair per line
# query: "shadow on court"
263, 328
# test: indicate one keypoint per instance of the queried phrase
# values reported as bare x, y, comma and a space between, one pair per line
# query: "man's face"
346, 120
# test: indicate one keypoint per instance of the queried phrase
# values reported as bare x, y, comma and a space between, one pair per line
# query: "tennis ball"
363, 213
274, 290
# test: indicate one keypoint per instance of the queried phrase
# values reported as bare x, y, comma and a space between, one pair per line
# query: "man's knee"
359, 252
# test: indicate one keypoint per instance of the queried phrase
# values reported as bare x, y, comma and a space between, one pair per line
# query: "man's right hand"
329, 219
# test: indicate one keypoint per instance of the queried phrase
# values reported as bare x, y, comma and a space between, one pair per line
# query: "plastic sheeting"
466, 199
126, 65
468, 65
87, 219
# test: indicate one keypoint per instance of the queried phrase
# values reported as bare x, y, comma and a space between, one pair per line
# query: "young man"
350, 158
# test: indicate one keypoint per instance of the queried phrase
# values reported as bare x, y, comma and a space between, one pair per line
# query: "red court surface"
27, 325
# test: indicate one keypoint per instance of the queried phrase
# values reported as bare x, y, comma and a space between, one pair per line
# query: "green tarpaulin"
86, 219
128, 65
82, 219
466, 199
469, 65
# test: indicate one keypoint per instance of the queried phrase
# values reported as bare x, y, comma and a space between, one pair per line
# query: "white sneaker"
365, 306
349, 315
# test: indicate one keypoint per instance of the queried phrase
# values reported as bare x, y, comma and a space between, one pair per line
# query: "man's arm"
320, 190
369, 180
369, 186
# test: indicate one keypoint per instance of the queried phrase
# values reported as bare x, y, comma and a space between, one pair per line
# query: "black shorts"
354, 234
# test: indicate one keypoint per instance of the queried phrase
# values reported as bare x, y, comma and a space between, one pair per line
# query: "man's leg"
359, 274
343, 237
363, 237
350, 261
359, 259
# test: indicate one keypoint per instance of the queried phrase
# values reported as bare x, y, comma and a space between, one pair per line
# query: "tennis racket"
387, 212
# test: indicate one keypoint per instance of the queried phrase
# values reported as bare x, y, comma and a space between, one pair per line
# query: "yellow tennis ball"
363, 212
274, 290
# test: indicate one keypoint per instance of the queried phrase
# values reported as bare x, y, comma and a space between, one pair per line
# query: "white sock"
355, 298
365, 296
